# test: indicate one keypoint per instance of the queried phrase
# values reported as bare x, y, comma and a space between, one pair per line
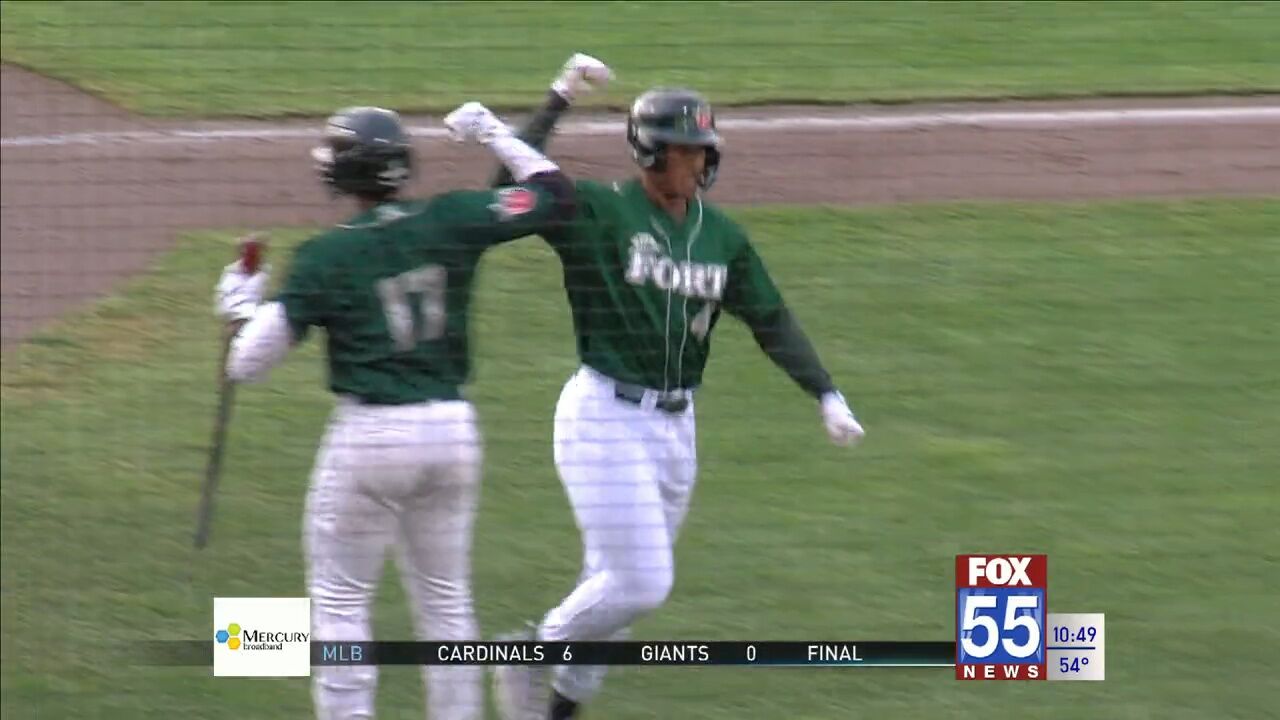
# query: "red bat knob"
251, 248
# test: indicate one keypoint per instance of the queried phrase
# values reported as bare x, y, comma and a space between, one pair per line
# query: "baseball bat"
250, 260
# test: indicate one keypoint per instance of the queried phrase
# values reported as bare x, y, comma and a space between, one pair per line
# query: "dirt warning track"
91, 192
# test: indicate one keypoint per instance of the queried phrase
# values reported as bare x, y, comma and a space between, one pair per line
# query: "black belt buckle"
634, 394
673, 405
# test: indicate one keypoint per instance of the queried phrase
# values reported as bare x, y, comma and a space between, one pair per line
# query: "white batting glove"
238, 293
842, 427
580, 75
473, 122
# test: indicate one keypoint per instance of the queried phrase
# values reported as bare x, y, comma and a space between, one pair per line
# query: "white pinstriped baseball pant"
629, 472
403, 477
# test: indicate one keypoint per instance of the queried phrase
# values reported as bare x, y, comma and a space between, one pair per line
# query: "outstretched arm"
580, 74
753, 298
782, 339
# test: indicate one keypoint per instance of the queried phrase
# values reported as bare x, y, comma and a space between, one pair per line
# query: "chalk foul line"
904, 121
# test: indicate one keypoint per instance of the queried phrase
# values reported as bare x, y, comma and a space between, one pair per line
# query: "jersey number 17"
427, 285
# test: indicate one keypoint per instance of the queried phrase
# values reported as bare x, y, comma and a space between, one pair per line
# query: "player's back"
391, 287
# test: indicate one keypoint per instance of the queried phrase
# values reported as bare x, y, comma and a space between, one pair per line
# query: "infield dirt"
79, 216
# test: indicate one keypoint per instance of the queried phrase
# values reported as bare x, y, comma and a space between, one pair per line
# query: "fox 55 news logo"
1000, 617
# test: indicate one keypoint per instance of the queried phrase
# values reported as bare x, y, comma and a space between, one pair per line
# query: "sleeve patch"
513, 202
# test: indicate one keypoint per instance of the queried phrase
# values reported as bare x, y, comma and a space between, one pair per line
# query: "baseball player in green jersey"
649, 266
400, 463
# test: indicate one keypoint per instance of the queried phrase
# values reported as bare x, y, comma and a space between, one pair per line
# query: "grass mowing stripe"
242, 59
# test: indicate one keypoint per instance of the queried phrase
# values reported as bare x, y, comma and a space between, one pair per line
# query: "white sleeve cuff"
260, 345
522, 160
562, 88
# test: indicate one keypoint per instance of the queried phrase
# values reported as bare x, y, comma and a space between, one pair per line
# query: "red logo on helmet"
703, 119
513, 202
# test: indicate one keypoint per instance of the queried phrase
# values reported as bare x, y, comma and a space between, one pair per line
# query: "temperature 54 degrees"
1072, 665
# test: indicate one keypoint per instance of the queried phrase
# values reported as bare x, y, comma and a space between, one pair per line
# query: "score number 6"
972, 620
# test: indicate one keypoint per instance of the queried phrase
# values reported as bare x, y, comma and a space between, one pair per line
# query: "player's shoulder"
595, 187
718, 220
602, 190
388, 215
310, 259
338, 240
449, 198
320, 245
602, 199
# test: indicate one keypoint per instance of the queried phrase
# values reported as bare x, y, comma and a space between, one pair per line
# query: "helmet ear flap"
647, 155
655, 159
323, 161
711, 169
643, 158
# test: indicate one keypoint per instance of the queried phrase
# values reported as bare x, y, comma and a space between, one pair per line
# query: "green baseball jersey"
646, 292
392, 287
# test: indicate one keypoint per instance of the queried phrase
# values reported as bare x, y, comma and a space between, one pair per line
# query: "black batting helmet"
673, 116
365, 151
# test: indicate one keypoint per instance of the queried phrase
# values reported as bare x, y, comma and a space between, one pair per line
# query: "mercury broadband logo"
262, 637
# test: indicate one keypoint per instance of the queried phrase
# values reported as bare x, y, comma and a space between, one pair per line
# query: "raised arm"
542, 200
580, 75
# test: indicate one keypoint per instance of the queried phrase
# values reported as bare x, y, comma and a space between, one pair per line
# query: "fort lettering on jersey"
647, 264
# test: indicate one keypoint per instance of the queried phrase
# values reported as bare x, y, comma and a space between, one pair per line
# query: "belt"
362, 401
666, 402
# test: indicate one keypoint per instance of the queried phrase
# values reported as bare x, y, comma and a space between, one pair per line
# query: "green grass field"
1086, 381
262, 59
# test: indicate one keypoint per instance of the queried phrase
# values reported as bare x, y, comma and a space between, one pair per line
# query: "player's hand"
580, 75
238, 292
842, 427
473, 122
